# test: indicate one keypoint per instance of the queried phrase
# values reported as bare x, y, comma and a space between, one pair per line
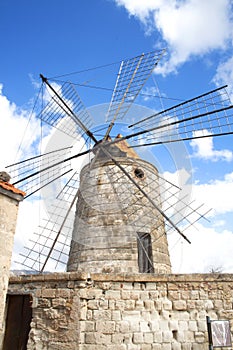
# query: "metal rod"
47, 183
51, 166
124, 96
144, 193
182, 139
59, 232
178, 105
40, 155
76, 119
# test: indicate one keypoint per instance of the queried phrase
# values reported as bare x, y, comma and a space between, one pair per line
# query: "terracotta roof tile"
12, 188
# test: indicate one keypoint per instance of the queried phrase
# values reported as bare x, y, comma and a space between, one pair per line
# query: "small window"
139, 173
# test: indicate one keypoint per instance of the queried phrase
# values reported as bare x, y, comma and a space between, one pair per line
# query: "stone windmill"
120, 224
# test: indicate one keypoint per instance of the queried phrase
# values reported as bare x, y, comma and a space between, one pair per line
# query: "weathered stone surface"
104, 315
9, 201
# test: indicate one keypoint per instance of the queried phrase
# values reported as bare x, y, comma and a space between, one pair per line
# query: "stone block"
87, 326
153, 295
188, 336
103, 304
138, 338
173, 325
192, 326
125, 294
201, 326
166, 347
164, 326
158, 304
218, 304
113, 294
63, 293
154, 325
134, 326
149, 304
199, 337
43, 303
194, 294
103, 315
148, 338
187, 347
139, 305
135, 295
116, 315
129, 304
158, 337
119, 304
156, 346
146, 347
167, 304
144, 326
48, 293
83, 313
124, 326
173, 295
180, 336
105, 327
97, 338
183, 315
58, 302
93, 304
117, 338
126, 286
131, 315
208, 305
176, 346
144, 296
179, 305
166, 315
146, 315
167, 336
191, 305
151, 286
183, 325
89, 315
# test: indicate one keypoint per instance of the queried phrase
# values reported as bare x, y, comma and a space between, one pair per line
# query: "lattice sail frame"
206, 115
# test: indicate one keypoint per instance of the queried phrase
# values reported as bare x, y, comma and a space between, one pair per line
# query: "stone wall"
9, 201
121, 312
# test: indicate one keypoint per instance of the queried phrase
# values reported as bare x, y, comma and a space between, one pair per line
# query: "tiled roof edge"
12, 188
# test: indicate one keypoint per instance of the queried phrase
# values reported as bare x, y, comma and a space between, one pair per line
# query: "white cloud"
211, 242
204, 149
208, 250
15, 122
188, 28
29, 216
224, 75
216, 194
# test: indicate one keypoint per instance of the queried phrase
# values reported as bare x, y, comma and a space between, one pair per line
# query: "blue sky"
57, 37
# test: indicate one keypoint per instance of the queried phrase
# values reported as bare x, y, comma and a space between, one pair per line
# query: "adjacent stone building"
9, 201
123, 312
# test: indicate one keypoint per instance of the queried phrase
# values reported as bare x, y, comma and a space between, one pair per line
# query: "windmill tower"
115, 228
120, 223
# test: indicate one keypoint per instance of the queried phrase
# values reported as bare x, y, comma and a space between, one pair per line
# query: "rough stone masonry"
121, 312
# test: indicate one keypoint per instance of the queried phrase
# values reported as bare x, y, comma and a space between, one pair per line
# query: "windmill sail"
117, 203
210, 114
132, 76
